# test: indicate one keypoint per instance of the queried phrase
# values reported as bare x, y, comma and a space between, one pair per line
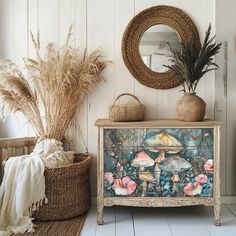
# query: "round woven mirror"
146, 30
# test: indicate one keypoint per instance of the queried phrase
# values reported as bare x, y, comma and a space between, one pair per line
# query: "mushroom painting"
202, 179
142, 160
208, 166
124, 186
192, 189
162, 143
175, 165
108, 177
158, 162
147, 177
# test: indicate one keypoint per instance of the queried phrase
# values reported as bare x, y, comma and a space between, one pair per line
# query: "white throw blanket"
23, 186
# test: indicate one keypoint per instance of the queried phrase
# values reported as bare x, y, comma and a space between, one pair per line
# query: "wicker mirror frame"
167, 15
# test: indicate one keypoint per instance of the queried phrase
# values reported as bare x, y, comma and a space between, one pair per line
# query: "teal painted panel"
174, 162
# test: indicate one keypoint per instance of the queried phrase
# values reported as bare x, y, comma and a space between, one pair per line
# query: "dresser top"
157, 123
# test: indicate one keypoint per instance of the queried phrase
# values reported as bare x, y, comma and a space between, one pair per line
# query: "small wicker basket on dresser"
159, 163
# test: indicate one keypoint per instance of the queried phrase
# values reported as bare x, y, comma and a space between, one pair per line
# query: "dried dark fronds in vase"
192, 61
62, 80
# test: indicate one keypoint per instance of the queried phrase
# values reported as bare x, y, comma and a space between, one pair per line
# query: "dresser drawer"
158, 162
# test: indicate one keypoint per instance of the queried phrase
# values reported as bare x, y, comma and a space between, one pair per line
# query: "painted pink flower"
208, 166
124, 186
192, 189
201, 178
109, 177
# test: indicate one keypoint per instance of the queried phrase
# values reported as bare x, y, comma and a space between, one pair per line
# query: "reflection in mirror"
154, 48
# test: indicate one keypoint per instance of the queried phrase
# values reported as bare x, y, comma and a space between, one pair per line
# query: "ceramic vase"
190, 107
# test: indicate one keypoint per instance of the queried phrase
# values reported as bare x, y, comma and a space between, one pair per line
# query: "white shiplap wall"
225, 95
96, 23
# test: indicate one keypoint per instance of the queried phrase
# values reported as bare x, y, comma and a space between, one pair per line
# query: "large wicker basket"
67, 190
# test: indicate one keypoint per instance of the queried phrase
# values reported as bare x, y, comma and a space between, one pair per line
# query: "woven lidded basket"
67, 190
127, 112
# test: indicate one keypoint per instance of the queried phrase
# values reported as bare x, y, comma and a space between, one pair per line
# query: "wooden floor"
184, 221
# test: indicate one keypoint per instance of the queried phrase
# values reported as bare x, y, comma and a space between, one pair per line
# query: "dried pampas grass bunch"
62, 80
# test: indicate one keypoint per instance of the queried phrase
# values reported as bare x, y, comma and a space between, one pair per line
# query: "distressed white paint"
102, 23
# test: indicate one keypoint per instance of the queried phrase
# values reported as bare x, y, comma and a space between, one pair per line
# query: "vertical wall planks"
32, 25
231, 102
46, 26
152, 3
100, 20
80, 29
195, 11
209, 80
221, 90
2, 17
225, 96
16, 31
124, 12
48, 21
14, 47
221, 105
80, 23
65, 20
231, 121
32, 6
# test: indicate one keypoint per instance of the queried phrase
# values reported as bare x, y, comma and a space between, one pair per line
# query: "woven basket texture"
127, 112
67, 190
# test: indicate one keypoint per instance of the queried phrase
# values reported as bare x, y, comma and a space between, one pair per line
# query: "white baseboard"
224, 200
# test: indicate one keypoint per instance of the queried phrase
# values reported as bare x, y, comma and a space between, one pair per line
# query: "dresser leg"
217, 214
100, 216
100, 206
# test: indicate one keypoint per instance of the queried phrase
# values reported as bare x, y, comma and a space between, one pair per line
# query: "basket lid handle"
128, 94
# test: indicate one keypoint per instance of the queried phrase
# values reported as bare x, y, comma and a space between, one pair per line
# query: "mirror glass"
154, 48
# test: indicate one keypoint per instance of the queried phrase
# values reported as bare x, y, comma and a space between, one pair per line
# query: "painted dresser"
158, 163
